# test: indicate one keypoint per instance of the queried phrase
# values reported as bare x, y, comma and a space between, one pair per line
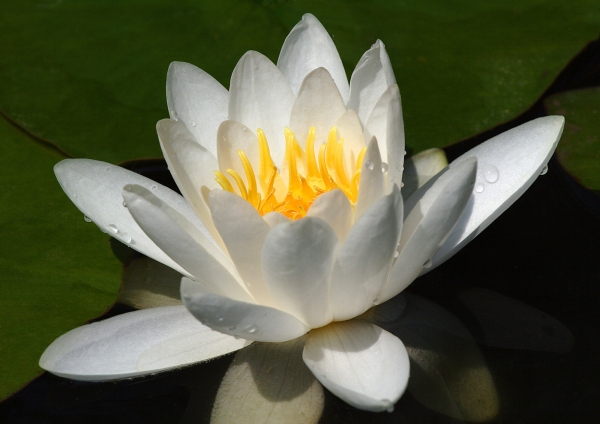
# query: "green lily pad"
579, 147
57, 270
90, 76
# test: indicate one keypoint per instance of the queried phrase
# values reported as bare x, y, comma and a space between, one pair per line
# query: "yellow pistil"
324, 172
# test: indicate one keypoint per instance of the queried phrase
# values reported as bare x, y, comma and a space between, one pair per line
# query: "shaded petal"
260, 97
429, 223
95, 188
231, 137
364, 260
335, 209
198, 100
275, 218
508, 323
135, 343
359, 362
377, 123
239, 319
448, 372
297, 261
508, 164
371, 179
318, 105
147, 283
191, 166
420, 168
269, 383
244, 231
371, 77
395, 143
308, 47
189, 248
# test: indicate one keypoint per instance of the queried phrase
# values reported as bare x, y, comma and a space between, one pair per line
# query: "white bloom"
306, 249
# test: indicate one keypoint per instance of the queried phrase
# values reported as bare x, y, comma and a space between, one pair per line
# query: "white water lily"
303, 229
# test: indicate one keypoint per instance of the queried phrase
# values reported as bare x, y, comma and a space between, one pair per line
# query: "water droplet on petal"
544, 170
384, 167
479, 188
124, 204
126, 237
220, 319
401, 184
107, 168
428, 264
490, 173
193, 124
405, 153
154, 187
112, 228
252, 330
86, 219
390, 408
396, 254
369, 165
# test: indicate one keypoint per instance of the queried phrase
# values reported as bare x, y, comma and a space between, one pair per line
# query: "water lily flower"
291, 222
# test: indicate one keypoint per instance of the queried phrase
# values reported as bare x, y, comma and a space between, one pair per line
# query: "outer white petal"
335, 209
364, 260
297, 261
239, 319
371, 179
191, 166
395, 143
198, 100
428, 224
319, 105
377, 123
508, 164
371, 77
136, 343
231, 137
307, 47
269, 383
95, 188
260, 97
189, 248
420, 168
244, 231
359, 362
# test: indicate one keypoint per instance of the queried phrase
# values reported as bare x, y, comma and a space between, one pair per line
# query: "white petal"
269, 383
377, 123
359, 362
244, 231
371, 179
364, 260
508, 164
307, 47
198, 100
191, 166
297, 261
318, 105
395, 143
95, 188
135, 343
428, 224
260, 97
231, 137
147, 283
335, 209
275, 218
239, 319
350, 129
189, 248
420, 168
371, 77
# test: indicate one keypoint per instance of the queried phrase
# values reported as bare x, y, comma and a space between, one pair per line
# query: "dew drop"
376, 301
112, 228
396, 254
220, 319
74, 196
390, 408
405, 153
490, 173
428, 264
303, 108
252, 329
401, 184
193, 124
544, 170
126, 237
107, 168
86, 219
479, 188
384, 167
124, 204
369, 165
154, 187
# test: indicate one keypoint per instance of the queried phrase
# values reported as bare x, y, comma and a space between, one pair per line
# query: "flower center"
308, 175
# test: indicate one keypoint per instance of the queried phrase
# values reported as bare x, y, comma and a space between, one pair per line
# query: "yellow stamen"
223, 181
253, 196
240, 183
